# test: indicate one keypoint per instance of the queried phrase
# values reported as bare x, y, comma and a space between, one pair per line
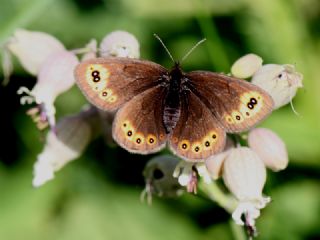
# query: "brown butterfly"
190, 111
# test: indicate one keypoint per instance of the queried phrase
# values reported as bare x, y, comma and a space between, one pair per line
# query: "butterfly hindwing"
197, 134
237, 104
110, 82
138, 125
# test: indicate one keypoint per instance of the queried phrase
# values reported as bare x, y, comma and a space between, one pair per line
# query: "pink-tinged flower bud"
246, 66
214, 164
67, 143
120, 44
55, 77
158, 177
280, 81
33, 48
244, 175
269, 147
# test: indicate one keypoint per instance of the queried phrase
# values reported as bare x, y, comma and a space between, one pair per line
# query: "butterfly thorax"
171, 111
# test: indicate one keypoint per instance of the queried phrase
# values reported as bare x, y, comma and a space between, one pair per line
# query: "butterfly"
189, 112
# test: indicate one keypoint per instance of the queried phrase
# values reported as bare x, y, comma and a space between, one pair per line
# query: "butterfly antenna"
193, 48
157, 37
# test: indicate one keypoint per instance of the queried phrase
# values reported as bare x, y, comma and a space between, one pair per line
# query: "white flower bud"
280, 81
120, 44
269, 147
214, 164
244, 175
66, 144
33, 48
55, 77
246, 66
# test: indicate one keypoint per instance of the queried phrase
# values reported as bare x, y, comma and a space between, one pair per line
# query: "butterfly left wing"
110, 82
237, 104
197, 134
138, 125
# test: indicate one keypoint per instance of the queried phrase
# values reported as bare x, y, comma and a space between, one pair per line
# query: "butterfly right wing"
108, 83
197, 134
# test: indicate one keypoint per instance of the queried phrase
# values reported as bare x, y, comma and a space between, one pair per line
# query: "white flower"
244, 175
67, 143
120, 44
90, 50
246, 66
269, 147
55, 77
280, 81
33, 48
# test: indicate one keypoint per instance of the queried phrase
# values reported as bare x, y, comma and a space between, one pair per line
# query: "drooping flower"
120, 44
159, 179
55, 77
280, 81
244, 174
67, 143
269, 147
246, 66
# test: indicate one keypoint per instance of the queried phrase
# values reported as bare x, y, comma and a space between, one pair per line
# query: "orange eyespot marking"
129, 134
174, 139
251, 104
237, 117
196, 147
138, 138
184, 145
229, 119
161, 136
97, 76
151, 139
126, 125
105, 94
213, 136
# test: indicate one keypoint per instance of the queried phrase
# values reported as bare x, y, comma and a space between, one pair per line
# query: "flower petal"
32, 48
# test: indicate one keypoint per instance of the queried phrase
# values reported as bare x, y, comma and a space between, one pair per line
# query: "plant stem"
226, 201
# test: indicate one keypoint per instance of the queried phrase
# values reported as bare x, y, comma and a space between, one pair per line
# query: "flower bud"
158, 177
269, 147
214, 164
120, 44
280, 81
244, 175
246, 66
33, 48
67, 143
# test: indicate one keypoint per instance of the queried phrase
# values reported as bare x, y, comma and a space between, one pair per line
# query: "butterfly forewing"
138, 124
197, 134
110, 82
236, 104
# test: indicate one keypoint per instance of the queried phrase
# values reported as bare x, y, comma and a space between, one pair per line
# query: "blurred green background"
97, 196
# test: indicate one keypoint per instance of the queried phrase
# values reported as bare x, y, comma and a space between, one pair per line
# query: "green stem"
227, 202
215, 194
